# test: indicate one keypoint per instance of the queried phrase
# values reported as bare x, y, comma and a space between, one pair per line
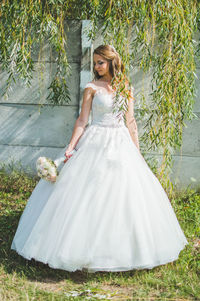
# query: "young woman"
107, 211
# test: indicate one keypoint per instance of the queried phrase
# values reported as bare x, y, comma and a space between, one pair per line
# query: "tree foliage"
157, 35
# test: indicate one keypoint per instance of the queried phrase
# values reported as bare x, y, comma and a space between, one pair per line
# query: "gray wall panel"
38, 92
27, 125
27, 155
45, 53
27, 129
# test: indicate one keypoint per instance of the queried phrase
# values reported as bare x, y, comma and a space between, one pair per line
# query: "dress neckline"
103, 93
104, 81
99, 88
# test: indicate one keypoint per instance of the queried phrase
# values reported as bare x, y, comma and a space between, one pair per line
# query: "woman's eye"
98, 63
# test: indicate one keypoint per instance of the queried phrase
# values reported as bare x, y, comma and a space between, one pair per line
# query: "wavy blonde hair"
110, 54
116, 69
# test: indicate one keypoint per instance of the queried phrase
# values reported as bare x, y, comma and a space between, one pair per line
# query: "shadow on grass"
176, 278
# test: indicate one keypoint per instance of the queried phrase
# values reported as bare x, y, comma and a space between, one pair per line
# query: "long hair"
110, 54
119, 81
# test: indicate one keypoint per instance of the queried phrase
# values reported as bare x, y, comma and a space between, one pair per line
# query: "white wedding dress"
107, 211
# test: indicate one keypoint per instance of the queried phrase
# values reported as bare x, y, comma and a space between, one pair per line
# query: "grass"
21, 279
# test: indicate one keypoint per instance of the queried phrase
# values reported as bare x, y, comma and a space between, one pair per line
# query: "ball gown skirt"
107, 211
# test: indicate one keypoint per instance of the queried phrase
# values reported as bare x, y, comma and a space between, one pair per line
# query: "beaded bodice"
103, 108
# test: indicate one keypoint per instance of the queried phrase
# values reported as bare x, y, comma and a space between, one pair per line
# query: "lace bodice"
102, 107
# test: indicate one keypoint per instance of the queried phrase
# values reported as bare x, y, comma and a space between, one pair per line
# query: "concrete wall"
186, 161
28, 130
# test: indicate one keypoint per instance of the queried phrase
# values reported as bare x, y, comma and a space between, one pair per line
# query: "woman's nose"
97, 66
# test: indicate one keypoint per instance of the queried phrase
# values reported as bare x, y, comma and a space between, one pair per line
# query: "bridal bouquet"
47, 168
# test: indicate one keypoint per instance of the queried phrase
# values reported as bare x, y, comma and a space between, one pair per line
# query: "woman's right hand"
67, 154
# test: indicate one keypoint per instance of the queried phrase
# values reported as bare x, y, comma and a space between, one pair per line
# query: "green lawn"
21, 279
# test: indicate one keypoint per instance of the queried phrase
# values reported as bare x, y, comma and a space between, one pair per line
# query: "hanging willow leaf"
157, 36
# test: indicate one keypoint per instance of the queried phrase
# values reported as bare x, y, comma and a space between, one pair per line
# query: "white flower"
72, 294
42, 159
46, 164
52, 170
46, 168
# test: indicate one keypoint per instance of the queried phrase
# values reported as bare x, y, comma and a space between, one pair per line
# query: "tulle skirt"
106, 212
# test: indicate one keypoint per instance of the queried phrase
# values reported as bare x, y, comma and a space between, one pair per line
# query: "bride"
107, 211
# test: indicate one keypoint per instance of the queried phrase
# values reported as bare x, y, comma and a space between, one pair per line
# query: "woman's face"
101, 65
